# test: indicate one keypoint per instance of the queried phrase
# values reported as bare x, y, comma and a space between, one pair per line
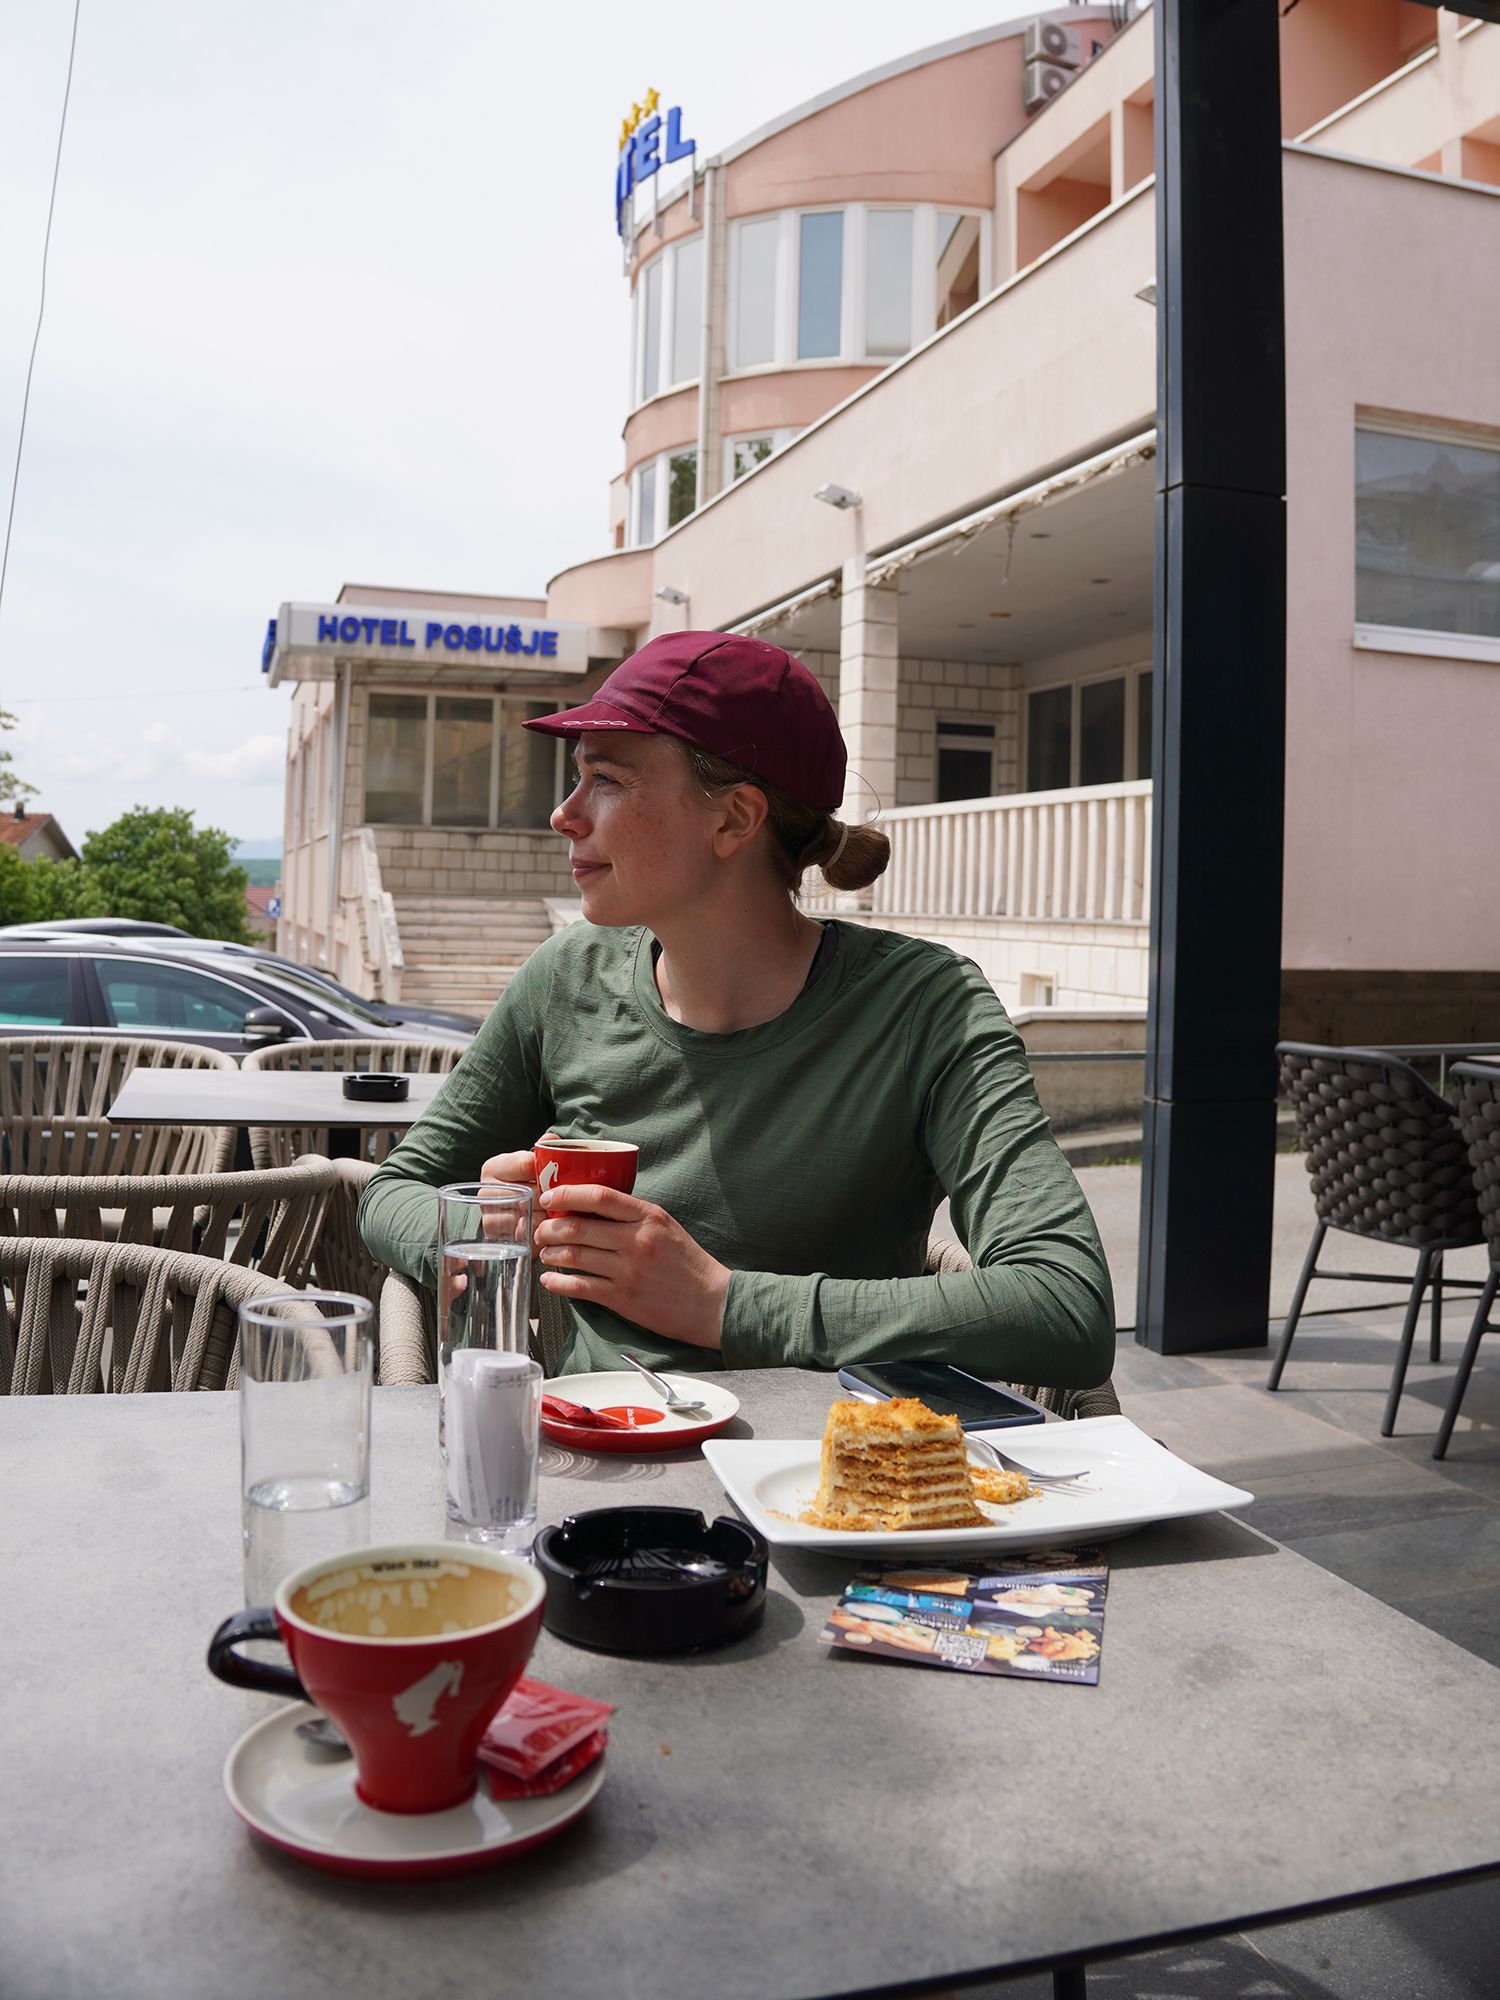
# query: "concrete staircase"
460, 951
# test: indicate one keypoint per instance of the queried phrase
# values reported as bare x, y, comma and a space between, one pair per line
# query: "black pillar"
1220, 669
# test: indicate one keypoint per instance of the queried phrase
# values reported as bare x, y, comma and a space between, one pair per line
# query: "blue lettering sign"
678, 148
406, 639
453, 638
645, 153
268, 648
641, 156
349, 629
549, 645
387, 631
434, 633
328, 628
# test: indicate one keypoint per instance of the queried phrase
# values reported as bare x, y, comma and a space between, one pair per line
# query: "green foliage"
17, 894
154, 864
13, 790
65, 889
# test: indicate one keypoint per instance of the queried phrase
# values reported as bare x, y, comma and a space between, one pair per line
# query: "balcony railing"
1078, 856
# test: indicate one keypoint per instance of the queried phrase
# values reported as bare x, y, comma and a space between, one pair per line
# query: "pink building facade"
929, 296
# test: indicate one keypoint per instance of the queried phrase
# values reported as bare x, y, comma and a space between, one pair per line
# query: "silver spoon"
323, 1735
682, 1406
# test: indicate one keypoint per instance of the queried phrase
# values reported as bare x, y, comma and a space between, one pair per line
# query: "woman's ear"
742, 813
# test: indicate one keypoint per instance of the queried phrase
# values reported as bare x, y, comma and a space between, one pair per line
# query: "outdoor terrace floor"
1421, 1536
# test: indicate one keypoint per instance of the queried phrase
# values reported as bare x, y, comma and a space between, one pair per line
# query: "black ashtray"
376, 1086
651, 1579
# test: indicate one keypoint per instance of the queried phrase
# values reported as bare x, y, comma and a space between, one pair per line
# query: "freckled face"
638, 829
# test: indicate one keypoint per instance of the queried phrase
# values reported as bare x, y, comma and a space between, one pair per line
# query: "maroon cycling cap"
736, 698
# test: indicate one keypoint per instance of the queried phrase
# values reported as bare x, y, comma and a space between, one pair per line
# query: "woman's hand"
517, 1168
629, 1255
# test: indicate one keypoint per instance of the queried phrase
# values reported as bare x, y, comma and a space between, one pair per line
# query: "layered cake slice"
895, 1464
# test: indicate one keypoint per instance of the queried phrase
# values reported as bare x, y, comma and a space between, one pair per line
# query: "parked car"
169, 990
300, 977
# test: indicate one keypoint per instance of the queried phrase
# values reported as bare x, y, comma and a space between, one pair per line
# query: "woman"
803, 1094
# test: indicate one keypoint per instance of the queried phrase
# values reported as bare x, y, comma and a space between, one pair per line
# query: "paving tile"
1226, 1968
1423, 1558
1440, 1946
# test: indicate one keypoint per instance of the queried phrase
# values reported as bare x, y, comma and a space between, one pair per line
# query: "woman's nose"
566, 818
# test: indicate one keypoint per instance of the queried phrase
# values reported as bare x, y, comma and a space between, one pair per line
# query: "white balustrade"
1075, 856
361, 890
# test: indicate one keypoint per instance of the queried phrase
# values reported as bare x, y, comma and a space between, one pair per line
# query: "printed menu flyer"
1040, 1618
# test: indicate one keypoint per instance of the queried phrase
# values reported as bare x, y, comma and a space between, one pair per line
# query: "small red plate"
622, 1392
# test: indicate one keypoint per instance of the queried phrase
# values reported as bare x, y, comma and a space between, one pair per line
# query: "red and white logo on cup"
585, 1163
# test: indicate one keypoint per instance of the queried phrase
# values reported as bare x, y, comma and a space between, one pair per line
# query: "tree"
13, 790
154, 864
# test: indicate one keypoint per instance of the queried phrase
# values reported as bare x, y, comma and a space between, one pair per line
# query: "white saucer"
301, 1801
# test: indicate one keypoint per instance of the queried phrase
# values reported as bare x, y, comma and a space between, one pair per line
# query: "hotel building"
892, 406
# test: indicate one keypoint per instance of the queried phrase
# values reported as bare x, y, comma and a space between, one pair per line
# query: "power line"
41, 304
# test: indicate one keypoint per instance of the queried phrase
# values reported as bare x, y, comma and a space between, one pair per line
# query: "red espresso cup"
593, 1162
410, 1649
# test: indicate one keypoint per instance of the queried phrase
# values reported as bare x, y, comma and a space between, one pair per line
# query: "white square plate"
1132, 1480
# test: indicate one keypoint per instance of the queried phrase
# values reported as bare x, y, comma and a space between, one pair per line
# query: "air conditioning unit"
1051, 42
1042, 83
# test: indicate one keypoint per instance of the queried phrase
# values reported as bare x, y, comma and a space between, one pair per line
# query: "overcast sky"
334, 296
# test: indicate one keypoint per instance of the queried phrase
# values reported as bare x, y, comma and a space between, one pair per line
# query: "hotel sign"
303, 641
646, 146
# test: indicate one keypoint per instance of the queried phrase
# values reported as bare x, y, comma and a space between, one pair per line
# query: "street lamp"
837, 496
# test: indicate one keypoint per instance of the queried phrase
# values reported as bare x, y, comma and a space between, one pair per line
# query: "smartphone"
952, 1392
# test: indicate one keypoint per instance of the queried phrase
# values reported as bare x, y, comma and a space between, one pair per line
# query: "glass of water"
306, 1370
484, 1280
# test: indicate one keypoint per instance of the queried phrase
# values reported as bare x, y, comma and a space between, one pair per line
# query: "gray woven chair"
56, 1089
408, 1336
1477, 1090
271, 1220
279, 1147
79, 1318
1388, 1162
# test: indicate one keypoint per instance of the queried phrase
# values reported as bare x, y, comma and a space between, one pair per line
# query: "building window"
1049, 739
1427, 533
1038, 989
1101, 732
747, 453
463, 736
1143, 685
682, 486
757, 247
651, 328
529, 767
888, 300
820, 286
645, 510
687, 309
396, 759
958, 252
965, 760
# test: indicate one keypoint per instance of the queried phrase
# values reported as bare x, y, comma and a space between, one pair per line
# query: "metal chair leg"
1309, 1272
1070, 1982
1408, 1334
1465, 1367
1435, 1343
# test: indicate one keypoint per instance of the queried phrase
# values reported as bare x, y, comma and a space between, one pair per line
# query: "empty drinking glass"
484, 1285
306, 1370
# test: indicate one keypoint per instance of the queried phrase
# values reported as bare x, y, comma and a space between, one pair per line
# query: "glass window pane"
1101, 732
1427, 529
820, 285
1143, 687
461, 739
750, 452
963, 774
34, 992
682, 486
651, 332
687, 310
137, 995
957, 265
888, 287
1049, 739
395, 759
646, 504
528, 767
755, 292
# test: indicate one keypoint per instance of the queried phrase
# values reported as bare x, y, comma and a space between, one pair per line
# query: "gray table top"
777, 1821
279, 1097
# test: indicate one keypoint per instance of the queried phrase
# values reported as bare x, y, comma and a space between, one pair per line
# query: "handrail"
360, 884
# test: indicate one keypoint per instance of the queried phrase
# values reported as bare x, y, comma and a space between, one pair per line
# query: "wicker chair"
1387, 1161
79, 1318
408, 1335
278, 1148
55, 1091
279, 1212
1477, 1087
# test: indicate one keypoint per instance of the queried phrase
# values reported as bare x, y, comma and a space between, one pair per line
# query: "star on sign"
653, 98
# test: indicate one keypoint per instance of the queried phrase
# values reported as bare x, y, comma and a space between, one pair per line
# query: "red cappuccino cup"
410, 1649
593, 1162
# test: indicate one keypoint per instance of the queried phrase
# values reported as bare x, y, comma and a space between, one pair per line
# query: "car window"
34, 992
141, 995
322, 993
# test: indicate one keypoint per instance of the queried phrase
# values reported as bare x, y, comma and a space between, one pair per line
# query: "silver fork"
679, 1405
1062, 1481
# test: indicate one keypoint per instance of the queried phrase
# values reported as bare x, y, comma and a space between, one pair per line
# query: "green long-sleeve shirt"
808, 1154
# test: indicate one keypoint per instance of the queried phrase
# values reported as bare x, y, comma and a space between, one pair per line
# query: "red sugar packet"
541, 1738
